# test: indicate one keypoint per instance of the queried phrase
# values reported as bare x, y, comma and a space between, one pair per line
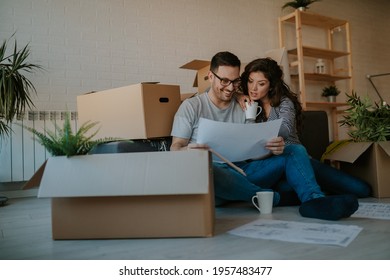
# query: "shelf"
321, 77
319, 53
325, 104
313, 19
301, 55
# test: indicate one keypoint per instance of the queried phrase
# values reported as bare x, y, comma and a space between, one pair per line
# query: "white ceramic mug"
251, 110
264, 201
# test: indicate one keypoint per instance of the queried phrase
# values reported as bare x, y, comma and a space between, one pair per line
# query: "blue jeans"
332, 181
293, 165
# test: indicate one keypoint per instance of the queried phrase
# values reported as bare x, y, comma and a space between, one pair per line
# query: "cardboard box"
185, 96
202, 68
368, 161
130, 195
139, 111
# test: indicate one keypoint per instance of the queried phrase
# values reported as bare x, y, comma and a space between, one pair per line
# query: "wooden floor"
25, 233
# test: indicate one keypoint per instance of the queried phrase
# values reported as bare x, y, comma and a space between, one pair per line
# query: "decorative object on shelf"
63, 142
330, 92
320, 67
367, 122
299, 4
15, 88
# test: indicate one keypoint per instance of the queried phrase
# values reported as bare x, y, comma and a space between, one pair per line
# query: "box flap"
201, 78
385, 146
349, 152
35, 180
126, 174
196, 64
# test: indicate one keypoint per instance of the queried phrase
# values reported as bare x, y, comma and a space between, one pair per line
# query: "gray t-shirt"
185, 124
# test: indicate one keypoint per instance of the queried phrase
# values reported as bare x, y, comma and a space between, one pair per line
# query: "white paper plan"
312, 233
373, 211
237, 142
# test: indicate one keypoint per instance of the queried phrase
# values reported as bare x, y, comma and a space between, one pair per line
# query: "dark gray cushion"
133, 146
315, 132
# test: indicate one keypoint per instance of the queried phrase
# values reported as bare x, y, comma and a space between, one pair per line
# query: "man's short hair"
224, 59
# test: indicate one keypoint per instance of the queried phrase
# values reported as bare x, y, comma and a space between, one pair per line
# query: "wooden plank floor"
25, 233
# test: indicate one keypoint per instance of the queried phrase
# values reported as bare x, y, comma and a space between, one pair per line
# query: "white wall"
88, 45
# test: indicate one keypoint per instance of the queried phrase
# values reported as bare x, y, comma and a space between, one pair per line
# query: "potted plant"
15, 88
63, 142
330, 92
366, 154
299, 4
367, 122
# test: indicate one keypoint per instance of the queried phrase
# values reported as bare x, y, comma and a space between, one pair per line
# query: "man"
292, 161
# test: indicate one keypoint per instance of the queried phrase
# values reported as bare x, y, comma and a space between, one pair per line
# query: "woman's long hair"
278, 88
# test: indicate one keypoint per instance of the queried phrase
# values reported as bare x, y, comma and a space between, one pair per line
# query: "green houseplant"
15, 88
64, 142
299, 4
367, 122
330, 92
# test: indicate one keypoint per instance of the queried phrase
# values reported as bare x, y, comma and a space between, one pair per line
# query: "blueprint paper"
312, 233
237, 142
373, 211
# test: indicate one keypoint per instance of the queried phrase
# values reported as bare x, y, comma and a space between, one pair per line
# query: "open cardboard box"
139, 111
129, 195
202, 68
368, 161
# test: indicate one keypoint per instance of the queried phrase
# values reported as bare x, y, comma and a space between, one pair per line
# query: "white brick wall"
88, 45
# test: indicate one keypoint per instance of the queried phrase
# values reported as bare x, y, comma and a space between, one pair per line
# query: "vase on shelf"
331, 98
320, 67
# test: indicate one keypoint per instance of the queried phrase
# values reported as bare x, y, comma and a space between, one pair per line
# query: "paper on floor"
373, 211
313, 233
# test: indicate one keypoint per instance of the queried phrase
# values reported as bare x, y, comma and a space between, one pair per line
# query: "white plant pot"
331, 98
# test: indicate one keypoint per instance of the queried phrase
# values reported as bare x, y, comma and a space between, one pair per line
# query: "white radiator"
20, 153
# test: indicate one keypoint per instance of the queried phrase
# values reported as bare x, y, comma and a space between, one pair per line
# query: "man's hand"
182, 144
276, 145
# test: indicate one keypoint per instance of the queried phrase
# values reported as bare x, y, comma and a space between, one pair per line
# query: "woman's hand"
276, 145
242, 99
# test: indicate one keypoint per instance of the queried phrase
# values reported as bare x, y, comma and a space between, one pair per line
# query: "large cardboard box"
130, 195
368, 161
202, 68
139, 111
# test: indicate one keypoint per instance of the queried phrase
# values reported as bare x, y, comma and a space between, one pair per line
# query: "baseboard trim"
20, 193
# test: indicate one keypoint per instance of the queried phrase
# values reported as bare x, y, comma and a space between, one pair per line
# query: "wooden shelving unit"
300, 52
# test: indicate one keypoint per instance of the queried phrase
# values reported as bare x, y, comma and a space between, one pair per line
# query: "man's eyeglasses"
226, 82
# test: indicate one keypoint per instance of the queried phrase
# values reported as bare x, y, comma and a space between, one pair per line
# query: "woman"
262, 81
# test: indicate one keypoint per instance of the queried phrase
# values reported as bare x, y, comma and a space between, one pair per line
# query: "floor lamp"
373, 76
